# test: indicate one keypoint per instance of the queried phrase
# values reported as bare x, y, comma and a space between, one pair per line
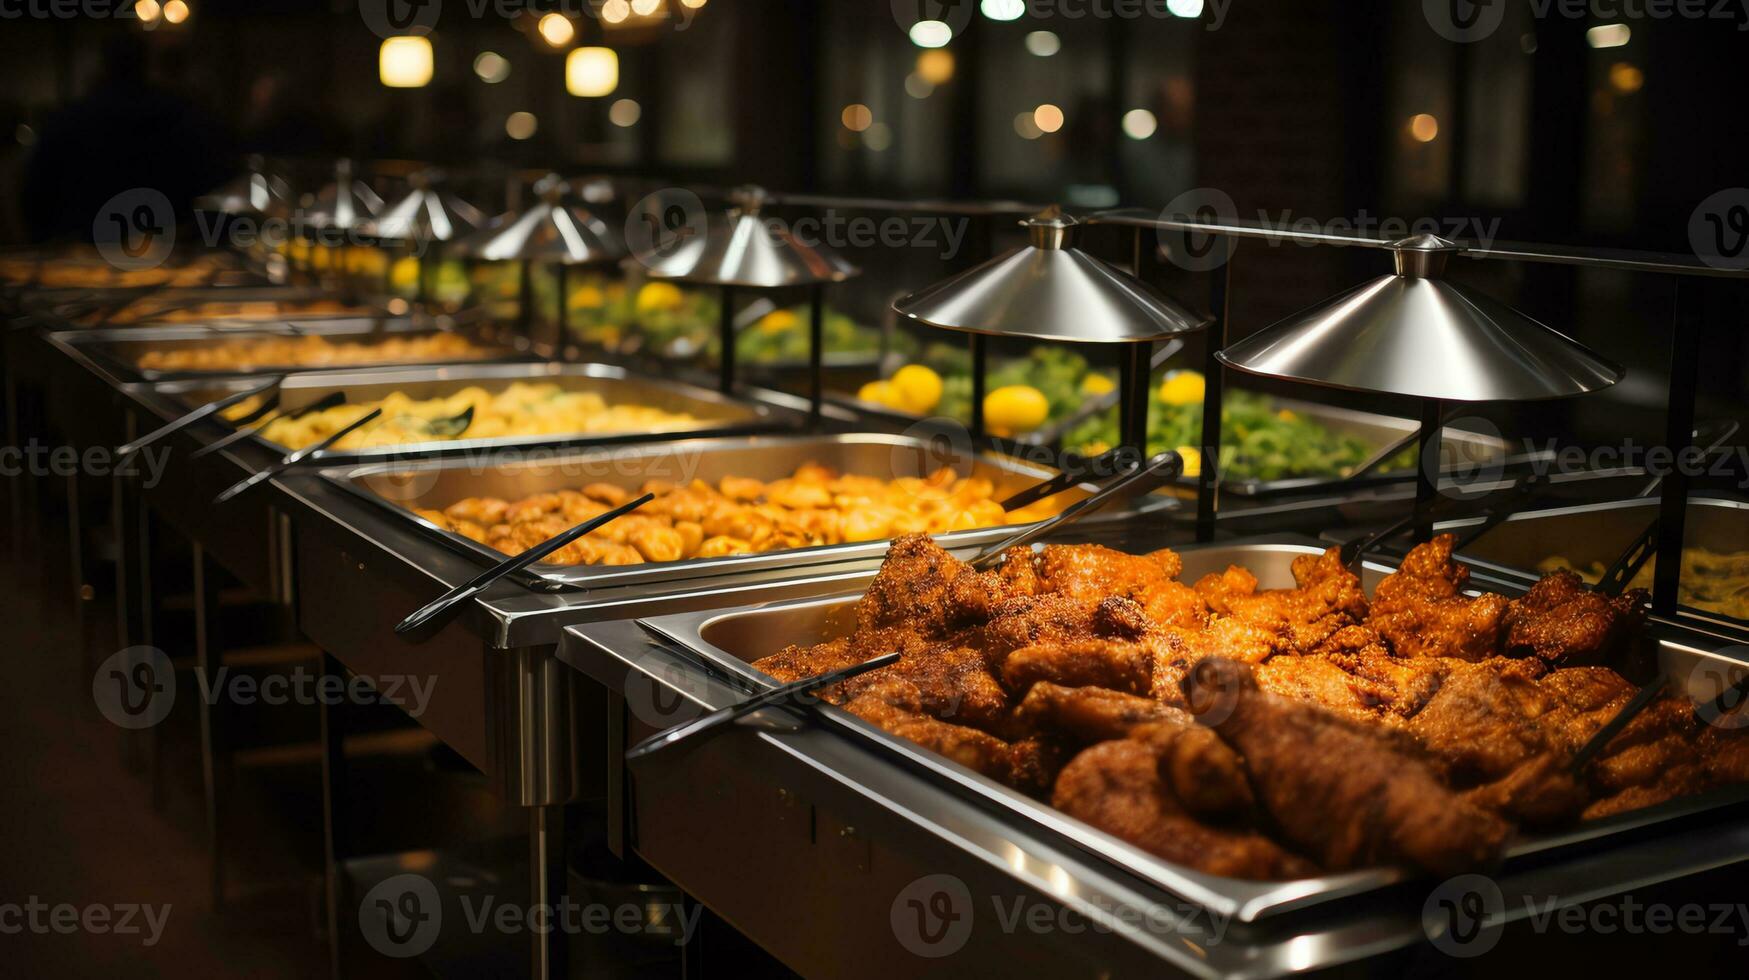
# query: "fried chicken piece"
1203, 772
1327, 598
1116, 787
1421, 611
952, 682
1565, 623
1316, 680
1117, 665
1091, 572
911, 588
1085, 715
1337, 789
793, 663
896, 706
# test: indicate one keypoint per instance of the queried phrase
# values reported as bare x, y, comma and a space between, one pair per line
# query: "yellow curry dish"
1710, 580
816, 505
309, 351
522, 409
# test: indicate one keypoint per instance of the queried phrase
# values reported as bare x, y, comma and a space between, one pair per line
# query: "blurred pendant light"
591, 72
415, 231
1050, 290
336, 211
743, 251
405, 62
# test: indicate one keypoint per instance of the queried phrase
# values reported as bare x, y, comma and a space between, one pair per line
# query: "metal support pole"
980, 355
1208, 480
1427, 466
1134, 395
563, 320
549, 871
336, 844
206, 658
726, 341
816, 351
525, 300
1678, 435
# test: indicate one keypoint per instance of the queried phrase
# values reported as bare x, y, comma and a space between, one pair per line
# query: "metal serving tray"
90, 309
1479, 450
728, 640
717, 413
439, 483
121, 348
1599, 532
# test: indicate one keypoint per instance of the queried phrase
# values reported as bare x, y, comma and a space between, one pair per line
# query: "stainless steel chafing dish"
715, 412
438, 483
727, 640
120, 349
1598, 533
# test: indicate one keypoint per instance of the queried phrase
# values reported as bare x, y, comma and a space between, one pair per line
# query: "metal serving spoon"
269, 472
204, 411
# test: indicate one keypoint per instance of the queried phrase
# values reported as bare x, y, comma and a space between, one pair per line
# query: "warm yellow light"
1424, 128
175, 12
878, 137
644, 8
1625, 78
692, 4
931, 33
147, 11
492, 67
1025, 128
624, 113
557, 29
405, 62
1608, 35
856, 117
615, 11
520, 125
1048, 118
935, 66
591, 72
1139, 124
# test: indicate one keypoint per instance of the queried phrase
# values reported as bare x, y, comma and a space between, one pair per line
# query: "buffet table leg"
206, 667
335, 844
549, 873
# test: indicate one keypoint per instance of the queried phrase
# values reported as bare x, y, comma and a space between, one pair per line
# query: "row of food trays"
1240, 724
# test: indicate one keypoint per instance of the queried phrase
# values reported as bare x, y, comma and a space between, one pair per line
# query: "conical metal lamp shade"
345, 204
745, 250
549, 231
1416, 334
253, 193
1050, 291
427, 213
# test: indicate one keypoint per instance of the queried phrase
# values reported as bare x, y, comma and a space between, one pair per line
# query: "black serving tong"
1070, 476
794, 693
275, 469
204, 411
439, 610
1146, 477
322, 404
1707, 714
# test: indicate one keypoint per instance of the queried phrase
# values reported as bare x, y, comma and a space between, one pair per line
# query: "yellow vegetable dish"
816, 505
1710, 580
522, 409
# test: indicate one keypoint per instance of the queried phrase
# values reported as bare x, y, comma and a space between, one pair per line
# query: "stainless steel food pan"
439, 483
729, 640
715, 412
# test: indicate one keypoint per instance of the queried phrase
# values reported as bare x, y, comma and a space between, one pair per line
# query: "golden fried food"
309, 350
737, 516
1270, 733
522, 409
152, 310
